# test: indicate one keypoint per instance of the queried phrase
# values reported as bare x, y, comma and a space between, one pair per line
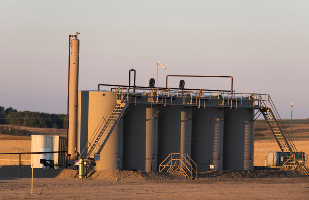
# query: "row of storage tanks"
149, 132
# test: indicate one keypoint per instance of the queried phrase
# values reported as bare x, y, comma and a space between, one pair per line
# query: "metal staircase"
273, 119
179, 162
106, 126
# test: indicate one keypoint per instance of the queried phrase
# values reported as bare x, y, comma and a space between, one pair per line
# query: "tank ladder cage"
106, 125
179, 162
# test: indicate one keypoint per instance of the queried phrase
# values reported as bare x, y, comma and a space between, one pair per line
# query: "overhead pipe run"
143, 87
204, 77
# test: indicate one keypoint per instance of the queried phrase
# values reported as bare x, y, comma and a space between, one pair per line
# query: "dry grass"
28, 131
14, 146
261, 147
262, 131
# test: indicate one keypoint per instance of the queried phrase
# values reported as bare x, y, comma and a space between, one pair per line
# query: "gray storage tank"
134, 146
207, 142
238, 139
175, 131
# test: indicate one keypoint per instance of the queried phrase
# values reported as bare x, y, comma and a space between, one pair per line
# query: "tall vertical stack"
73, 103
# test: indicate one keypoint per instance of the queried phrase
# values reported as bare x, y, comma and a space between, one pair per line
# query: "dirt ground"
15, 182
278, 188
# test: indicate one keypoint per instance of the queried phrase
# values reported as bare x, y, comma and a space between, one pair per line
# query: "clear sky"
263, 44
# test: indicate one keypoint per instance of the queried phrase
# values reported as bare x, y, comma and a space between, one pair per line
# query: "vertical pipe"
291, 124
249, 145
66, 149
151, 138
185, 132
73, 105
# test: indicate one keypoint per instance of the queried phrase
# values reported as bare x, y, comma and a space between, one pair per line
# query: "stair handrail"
108, 112
182, 169
180, 160
281, 124
284, 136
187, 158
109, 126
96, 131
162, 163
192, 161
277, 121
288, 143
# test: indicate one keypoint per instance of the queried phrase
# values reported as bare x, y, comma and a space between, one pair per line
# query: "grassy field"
300, 129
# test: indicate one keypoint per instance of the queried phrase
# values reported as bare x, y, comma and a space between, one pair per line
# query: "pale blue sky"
263, 44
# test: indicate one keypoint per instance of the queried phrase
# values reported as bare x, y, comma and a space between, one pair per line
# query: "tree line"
32, 119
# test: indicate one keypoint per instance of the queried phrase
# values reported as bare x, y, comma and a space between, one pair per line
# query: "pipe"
130, 79
142, 87
36, 152
66, 148
67, 142
204, 76
73, 102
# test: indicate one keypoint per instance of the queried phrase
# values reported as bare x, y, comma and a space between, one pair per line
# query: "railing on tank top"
195, 97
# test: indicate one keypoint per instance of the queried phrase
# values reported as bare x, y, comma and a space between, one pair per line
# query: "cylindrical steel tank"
238, 139
207, 142
134, 133
174, 131
151, 138
112, 153
74, 65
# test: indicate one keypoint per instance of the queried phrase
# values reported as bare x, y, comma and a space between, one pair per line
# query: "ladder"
106, 126
281, 135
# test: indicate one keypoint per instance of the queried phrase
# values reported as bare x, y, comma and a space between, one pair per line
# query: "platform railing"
195, 97
179, 162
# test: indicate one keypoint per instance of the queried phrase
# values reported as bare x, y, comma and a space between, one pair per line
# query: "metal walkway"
179, 162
